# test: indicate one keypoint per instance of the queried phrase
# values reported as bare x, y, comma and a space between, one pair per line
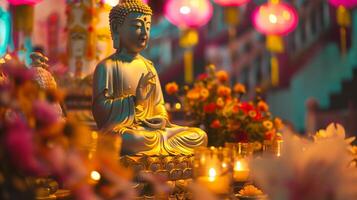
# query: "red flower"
258, 116
246, 107
209, 108
215, 124
269, 135
202, 76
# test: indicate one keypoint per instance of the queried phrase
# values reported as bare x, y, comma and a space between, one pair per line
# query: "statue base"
177, 170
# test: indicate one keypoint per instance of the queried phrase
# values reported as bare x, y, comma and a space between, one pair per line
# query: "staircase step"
347, 95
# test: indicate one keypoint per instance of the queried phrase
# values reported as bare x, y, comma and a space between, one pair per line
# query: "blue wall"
321, 77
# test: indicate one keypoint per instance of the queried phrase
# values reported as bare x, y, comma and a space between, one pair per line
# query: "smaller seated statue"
127, 96
44, 78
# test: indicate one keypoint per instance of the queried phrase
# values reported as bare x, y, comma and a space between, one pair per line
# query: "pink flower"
45, 113
19, 73
20, 146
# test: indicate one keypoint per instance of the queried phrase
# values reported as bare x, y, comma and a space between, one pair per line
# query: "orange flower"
239, 88
215, 124
262, 106
252, 113
193, 94
220, 102
222, 76
204, 93
278, 123
235, 108
224, 91
268, 124
171, 88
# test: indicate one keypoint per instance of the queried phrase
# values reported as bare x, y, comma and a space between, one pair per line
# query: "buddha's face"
134, 33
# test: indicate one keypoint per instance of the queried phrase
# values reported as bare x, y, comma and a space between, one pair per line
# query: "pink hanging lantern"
345, 3
188, 13
275, 18
23, 2
231, 2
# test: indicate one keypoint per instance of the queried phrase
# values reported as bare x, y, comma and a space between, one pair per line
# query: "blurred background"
301, 54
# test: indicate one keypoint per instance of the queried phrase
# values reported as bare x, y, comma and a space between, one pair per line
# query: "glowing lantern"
231, 13
231, 2
187, 15
23, 2
113, 3
5, 31
231, 18
343, 19
275, 19
345, 3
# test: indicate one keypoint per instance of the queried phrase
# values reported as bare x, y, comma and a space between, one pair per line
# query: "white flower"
333, 131
308, 171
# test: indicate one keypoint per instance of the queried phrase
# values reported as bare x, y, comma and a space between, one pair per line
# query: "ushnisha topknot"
119, 12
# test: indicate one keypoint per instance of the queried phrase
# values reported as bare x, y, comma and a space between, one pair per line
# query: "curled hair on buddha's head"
119, 12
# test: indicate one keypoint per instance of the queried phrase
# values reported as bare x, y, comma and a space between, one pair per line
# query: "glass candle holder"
213, 169
273, 148
242, 153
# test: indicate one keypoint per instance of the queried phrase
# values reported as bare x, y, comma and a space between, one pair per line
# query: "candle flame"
238, 166
212, 174
95, 175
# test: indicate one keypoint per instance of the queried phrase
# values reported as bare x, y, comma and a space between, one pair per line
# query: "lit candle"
279, 146
216, 184
241, 171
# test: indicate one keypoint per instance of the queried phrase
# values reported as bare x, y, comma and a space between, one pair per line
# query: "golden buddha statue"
127, 96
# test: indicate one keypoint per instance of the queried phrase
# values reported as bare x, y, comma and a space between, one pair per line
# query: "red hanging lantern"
231, 2
23, 2
275, 19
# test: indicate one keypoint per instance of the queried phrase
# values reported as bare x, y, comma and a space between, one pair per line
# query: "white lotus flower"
308, 171
333, 131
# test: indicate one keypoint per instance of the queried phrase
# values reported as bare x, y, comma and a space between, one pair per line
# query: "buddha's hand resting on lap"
155, 122
145, 82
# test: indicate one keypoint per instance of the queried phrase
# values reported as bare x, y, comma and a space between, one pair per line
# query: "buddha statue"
127, 96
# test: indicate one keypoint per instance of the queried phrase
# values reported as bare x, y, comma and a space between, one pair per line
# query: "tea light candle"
216, 184
241, 171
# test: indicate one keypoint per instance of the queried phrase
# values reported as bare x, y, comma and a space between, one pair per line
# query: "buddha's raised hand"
142, 92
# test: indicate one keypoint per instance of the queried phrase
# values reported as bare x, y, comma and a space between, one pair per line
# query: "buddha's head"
130, 23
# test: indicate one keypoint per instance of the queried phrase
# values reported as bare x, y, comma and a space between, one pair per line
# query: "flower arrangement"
38, 142
211, 102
